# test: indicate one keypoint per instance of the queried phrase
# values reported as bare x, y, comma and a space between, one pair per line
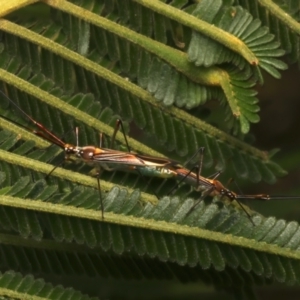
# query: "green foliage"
14, 285
153, 64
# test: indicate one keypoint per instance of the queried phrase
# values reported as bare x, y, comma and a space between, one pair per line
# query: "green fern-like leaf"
152, 63
282, 18
14, 285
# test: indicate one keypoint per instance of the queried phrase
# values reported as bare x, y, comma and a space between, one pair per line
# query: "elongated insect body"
126, 161
213, 187
104, 158
112, 160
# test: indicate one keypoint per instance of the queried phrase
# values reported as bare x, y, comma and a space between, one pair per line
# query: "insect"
213, 187
105, 158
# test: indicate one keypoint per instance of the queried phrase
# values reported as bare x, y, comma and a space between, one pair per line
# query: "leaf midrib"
149, 224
